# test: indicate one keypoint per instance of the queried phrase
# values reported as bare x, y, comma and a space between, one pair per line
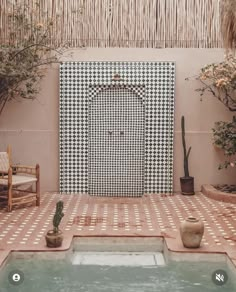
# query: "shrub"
26, 52
220, 80
224, 135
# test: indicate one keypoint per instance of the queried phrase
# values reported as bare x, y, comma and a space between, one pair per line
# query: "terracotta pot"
191, 231
54, 239
187, 185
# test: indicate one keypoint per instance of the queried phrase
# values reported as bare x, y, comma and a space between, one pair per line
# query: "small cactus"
186, 153
58, 216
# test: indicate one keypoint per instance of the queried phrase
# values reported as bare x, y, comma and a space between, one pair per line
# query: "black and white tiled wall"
116, 128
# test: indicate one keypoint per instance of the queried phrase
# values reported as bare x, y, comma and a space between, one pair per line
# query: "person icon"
16, 277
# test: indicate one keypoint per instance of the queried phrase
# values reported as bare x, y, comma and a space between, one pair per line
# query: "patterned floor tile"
151, 215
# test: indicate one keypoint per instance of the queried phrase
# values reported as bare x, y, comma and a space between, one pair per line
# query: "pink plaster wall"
32, 127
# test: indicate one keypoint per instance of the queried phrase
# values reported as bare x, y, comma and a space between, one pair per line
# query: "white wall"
32, 127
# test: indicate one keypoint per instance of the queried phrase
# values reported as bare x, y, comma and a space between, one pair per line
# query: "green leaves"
224, 137
25, 53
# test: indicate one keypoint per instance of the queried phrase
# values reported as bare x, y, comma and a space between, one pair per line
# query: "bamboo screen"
128, 23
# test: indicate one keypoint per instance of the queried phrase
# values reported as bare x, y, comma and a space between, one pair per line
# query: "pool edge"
182, 254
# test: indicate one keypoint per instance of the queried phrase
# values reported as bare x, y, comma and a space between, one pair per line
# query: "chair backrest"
4, 162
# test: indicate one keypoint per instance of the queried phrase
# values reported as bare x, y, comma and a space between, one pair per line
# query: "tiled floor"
152, 215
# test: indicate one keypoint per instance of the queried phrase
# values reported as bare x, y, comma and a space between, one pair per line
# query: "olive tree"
25, 53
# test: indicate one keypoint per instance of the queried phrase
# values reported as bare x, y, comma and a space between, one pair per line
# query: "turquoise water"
62, 276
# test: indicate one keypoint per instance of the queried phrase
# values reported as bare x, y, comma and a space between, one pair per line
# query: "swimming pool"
113, 271
62, 275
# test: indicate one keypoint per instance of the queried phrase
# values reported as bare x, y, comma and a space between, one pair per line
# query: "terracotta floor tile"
151, 215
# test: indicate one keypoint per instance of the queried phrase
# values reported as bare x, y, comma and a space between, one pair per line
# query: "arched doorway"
116, 143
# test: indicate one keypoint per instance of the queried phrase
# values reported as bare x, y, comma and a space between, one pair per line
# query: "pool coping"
170, 252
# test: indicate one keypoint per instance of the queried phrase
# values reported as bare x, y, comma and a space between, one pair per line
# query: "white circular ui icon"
219, 277
16, 277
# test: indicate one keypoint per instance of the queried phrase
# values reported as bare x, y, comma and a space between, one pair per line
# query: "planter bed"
216, 193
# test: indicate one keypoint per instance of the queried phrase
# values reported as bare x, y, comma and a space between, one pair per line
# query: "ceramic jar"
191, 231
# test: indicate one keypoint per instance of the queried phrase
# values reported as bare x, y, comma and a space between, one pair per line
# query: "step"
118, 259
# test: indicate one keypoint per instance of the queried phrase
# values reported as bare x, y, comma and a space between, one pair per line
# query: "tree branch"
35, 45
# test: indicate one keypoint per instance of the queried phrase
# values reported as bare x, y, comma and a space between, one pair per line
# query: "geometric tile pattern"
116, 143
150, 215
82, 81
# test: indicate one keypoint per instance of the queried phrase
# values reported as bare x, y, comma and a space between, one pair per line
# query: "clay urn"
191, 232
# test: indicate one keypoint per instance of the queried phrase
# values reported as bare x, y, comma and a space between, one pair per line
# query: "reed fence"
127, 23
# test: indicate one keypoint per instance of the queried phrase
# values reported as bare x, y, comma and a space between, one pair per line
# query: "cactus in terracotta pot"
54, 237
58, 216
186, 153
187, 181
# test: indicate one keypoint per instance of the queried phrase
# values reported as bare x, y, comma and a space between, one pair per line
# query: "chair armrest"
3, 173
24, 169
4, 177
7, 176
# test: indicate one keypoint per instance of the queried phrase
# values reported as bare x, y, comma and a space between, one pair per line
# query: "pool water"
42, 275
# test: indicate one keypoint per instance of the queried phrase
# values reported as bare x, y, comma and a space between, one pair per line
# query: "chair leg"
37, 186
9, 199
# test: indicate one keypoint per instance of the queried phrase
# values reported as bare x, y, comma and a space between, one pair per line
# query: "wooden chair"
12, 177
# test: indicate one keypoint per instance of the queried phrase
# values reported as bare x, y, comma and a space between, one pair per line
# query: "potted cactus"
54, 237
187, 181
